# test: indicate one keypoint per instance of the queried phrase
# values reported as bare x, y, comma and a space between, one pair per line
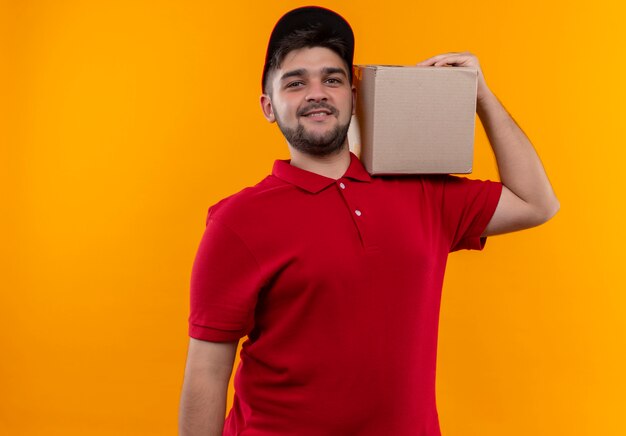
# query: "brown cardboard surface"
414, 119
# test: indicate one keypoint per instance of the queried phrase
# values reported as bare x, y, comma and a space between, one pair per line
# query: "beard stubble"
315, 144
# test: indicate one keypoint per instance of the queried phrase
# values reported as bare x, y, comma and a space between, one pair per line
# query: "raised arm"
527, 198
203, 399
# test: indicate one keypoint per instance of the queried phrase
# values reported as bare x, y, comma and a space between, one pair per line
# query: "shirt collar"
314, 182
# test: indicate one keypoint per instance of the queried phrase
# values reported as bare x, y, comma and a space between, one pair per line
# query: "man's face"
312, 100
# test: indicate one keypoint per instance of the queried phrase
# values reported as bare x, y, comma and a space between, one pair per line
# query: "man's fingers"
431, 61
449, 62
450, 59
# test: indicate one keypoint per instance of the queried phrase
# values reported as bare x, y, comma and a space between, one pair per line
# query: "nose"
316, 91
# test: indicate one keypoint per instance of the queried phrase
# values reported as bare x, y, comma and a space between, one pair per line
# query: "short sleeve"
467, 208
225, 282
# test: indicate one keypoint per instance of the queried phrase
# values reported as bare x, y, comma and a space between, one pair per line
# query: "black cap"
304, 18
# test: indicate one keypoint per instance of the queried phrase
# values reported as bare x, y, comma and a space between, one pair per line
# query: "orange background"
123, 121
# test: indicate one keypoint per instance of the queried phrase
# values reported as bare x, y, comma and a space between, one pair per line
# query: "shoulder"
416, 178
247, 202
421, 182
435, 187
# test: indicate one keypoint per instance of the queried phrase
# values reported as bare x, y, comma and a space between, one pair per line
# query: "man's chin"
319, 128
316, 142
320, 146
321, 139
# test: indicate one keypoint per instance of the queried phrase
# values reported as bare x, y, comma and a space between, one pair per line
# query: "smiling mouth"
318, 111
317, 114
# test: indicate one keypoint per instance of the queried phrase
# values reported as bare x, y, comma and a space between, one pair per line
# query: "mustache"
314, 106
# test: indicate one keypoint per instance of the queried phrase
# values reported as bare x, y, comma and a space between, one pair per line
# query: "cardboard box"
414, 119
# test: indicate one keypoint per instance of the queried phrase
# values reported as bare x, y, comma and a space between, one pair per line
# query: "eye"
334, 81
294, 84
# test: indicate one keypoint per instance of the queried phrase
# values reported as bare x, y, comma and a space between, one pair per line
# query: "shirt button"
341, 185
357, 212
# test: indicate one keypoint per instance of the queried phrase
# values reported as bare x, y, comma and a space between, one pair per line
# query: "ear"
267, 108
353, 100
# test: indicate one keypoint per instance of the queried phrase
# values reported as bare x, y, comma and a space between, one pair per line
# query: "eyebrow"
334, 70
303, 72
293, 73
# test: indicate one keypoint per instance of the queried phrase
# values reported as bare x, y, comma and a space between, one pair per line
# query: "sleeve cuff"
205, 333
473, 241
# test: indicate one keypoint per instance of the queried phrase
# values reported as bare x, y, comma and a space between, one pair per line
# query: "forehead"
311, 59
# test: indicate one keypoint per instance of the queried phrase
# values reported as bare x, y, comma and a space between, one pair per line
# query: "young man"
334, 275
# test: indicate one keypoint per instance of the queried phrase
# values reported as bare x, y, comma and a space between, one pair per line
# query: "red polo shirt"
337, 284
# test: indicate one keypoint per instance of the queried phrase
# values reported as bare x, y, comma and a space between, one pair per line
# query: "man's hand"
465, 59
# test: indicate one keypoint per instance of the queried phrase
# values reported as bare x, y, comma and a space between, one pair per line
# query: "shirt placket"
357, 209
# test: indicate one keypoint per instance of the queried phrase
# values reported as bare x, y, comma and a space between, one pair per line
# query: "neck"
333, 166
